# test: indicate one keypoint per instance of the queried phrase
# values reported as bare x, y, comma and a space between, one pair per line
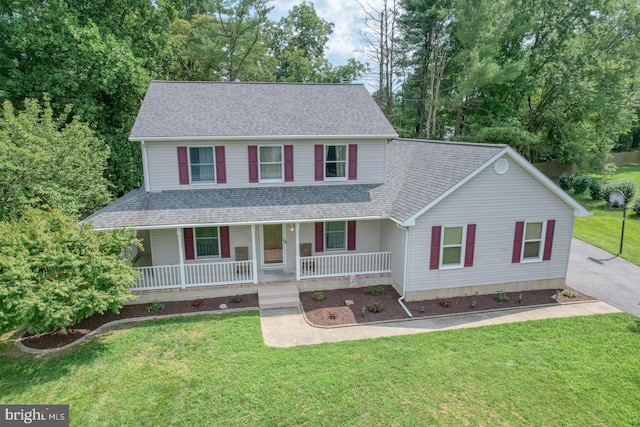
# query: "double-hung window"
335, 161
270, 160
207, 242
335, 235
532, 241
201, 164
452, 247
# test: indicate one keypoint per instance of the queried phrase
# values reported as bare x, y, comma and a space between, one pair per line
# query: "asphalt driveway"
604, 276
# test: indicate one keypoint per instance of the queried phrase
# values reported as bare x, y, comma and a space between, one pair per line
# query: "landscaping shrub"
155, 306
318, 296
581, 183
636, 207
375, 308
236, 299
566, 181
627, 186
569, 293
374, 290
502, 297
595, 189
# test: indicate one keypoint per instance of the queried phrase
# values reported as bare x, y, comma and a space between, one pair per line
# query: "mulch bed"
59, 339
332, 311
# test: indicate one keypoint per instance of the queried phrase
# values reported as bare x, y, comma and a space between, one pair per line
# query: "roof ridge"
470, 143
260, 83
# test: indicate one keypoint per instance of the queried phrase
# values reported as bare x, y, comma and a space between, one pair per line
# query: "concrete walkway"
285, 327
614, 281
604, 276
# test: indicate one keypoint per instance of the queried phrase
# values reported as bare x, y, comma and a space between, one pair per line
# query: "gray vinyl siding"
494, 203
392, 239
163, 163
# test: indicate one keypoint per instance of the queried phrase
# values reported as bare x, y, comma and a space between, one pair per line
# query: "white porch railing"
219, 273
341, 265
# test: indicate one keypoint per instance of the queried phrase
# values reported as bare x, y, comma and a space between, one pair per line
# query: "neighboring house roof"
419, 175
229, 110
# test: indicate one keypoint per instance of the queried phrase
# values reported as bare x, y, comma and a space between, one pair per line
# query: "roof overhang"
262, 138
578, 209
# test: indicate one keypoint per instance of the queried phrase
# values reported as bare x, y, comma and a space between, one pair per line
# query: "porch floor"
278, 296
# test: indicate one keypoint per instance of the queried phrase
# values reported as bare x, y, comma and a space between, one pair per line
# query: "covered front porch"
255, 254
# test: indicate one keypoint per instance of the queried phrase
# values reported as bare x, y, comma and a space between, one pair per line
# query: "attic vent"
501, 166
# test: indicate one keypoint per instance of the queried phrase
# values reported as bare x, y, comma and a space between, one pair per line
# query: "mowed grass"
604, 227
211, 370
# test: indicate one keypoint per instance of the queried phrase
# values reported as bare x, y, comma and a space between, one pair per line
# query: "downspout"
145, 166
405, 273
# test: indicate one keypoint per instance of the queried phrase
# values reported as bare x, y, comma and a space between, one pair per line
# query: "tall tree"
47, 163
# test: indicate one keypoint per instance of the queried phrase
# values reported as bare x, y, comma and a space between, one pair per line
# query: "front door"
273, 244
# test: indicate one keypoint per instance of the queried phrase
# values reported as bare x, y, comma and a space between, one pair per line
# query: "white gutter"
261, 137
406, 272
145, 166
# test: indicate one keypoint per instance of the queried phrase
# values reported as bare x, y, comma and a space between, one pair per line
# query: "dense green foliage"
216, 370
54, 272
49, 164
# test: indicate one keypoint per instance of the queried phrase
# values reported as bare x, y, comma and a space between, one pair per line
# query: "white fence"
169, 276
340, 265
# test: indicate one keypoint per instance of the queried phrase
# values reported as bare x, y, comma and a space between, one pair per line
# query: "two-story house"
247, 184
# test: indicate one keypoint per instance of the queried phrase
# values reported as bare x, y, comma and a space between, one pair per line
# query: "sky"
348, 19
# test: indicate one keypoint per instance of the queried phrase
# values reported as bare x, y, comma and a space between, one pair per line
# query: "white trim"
543, 239
271, 180
346, 163
145, 167
183, 276
213, 154
195, 244
254, 254
578, 210
262, 138
345, 241
463, 240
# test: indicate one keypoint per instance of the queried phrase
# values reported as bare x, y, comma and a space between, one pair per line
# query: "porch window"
452, 248
335, 235
335, 164
532, 242
201, 164
207, 242
270, 159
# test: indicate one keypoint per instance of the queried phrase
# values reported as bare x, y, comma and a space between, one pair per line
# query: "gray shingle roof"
418, 172
219, 109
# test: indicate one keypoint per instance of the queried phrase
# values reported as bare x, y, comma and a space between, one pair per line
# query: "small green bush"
155, 306
636, 207
566, 181
581, 183
627, 186
375, 308
569, 293
502, 297
595, 189
318, 296
374, 290
236, 299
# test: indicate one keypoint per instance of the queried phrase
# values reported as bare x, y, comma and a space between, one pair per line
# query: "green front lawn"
216, 371
603, 227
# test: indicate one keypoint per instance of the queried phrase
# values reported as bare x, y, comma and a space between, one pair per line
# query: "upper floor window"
201, 164
335, 161
207, 242
270, 159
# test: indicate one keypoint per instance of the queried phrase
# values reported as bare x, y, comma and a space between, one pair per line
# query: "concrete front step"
278, 296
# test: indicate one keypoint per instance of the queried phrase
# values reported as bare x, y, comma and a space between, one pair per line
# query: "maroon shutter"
288, 163
319, 161
319, 237
353, 161
225, 247
183, 165
351, 235
221, 166
548, 240
517, 242
253, 163
471, 243
434, 262
189, 252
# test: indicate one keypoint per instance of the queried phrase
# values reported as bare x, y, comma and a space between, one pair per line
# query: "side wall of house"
392, 239
163, 163
494, 203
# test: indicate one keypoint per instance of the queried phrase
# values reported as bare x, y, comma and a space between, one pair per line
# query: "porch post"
297, 251
254, 264
183, 280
